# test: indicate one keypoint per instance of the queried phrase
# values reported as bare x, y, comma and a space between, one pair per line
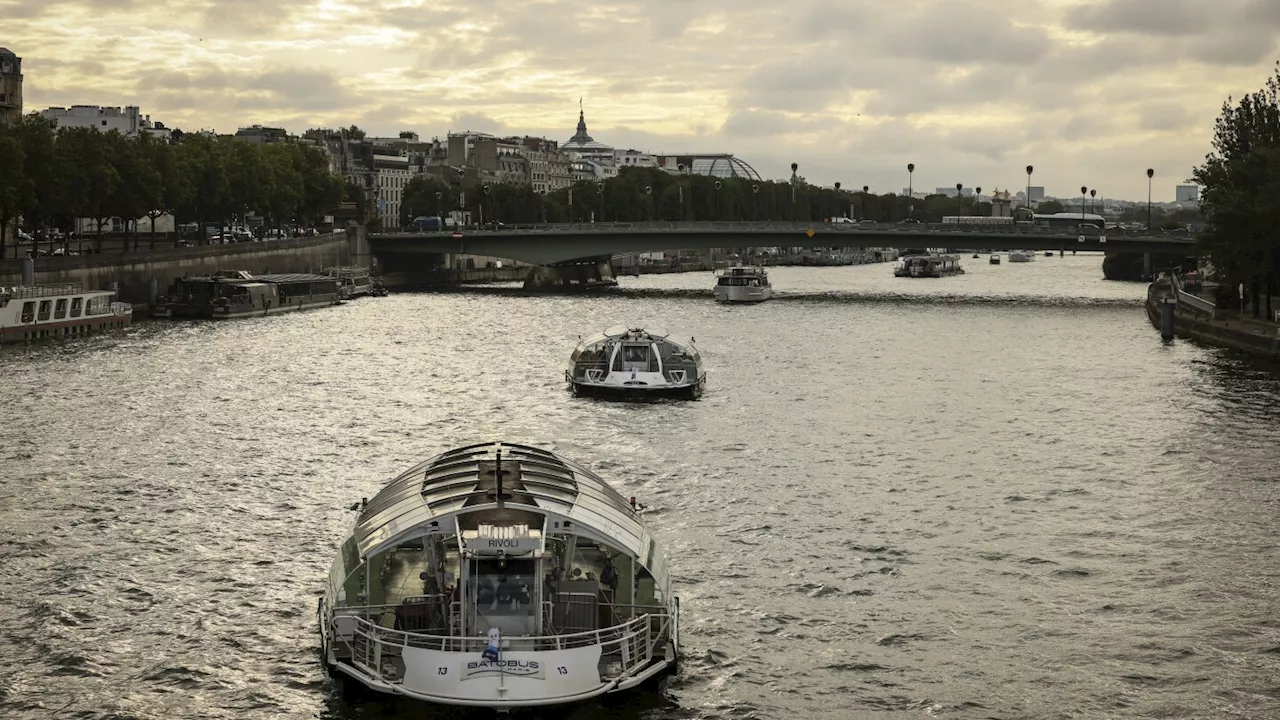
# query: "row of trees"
1241, 195
52, 176
642, 194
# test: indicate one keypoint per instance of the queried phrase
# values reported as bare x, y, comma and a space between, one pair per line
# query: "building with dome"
721, 165
583, 147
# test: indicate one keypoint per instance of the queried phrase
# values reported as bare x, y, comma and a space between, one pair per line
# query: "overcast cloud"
1090, 92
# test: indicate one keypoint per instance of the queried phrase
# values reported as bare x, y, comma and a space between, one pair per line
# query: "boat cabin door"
502, 585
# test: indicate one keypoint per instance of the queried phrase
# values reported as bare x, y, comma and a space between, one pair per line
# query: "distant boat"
994, 260
631, 363
742, 285
238, 293
1048, 253
1021, 256
928, 265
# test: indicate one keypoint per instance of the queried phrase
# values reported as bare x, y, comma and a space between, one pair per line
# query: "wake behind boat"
743, 284
499, 575
633, 363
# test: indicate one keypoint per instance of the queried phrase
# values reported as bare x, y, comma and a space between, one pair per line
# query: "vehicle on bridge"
740, 284
500, 576
1070, 220
634, 364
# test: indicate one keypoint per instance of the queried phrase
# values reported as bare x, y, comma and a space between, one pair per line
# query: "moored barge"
34, 312
241, 294
931, 265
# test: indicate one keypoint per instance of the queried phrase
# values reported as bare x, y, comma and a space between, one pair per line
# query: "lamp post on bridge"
959, 201
755, 201
600, 192
865, 215
1029, 210
911, 195
648, 191
977, 198
1151, 173
717, 186
1093, 193
439, 209
837, 187
794, 168
487, 190
1083, 190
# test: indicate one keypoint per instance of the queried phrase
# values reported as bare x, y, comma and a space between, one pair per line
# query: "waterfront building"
128, 121
633, 158
583, 147
10, 86
721, 165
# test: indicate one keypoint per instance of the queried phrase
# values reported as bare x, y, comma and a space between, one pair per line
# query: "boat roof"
743, 270
464, 478
18, 292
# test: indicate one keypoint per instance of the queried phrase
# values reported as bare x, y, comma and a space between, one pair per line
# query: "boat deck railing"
377, 651
35, 291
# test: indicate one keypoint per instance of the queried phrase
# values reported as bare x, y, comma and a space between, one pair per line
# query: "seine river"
997, 495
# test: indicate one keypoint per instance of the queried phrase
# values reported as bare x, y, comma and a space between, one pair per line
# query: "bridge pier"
1146, 267
597, 273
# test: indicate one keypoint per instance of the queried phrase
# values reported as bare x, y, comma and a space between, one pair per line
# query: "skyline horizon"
1091, 92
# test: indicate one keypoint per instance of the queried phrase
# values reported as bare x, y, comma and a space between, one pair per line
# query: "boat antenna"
497, 471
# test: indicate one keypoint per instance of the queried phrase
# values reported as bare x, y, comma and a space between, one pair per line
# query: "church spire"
581, 136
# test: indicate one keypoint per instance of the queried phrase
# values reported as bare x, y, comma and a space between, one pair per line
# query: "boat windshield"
503, 590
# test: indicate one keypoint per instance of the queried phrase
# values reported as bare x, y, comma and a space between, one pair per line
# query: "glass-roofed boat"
499, 575
634, 363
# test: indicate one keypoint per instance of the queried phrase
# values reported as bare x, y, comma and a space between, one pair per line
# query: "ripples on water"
996, 495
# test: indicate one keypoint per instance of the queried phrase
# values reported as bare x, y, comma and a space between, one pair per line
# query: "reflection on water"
992, 495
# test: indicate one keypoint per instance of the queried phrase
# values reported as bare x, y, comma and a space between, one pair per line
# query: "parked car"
841, 220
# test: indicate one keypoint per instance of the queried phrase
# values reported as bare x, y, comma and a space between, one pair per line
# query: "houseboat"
632, 363
352, 281
500, 576
928, 265
743, 284
34, 312
241, 294
1021, 256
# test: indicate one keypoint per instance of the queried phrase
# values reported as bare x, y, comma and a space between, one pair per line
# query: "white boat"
352, 281
1020, 256
743, 284
632, 363
993, 260
931, 265
33, 312
500, 576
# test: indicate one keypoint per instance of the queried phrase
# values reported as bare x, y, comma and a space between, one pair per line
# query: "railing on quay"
1191, 300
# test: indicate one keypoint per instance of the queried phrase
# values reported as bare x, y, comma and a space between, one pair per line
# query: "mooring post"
1166, 318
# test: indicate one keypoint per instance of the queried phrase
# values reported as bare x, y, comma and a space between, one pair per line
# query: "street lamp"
911, 195
600, 192
794, 168
1029, 169
717, 186
680, 188
1150, 174
755, 200
865, 215
487, 190
959, 199
1092, 194
838, 192
439, 212
977, 198
1083, 190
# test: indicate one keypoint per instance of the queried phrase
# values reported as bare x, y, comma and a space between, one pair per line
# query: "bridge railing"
748, 226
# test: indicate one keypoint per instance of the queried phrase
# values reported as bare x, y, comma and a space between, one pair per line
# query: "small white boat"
353, 282
1021, 256
34, 312
994, 260
500, 576
1048, 253
931, 265
743, 284
631, 363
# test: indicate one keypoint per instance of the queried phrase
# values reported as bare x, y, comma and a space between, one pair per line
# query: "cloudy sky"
1090, 92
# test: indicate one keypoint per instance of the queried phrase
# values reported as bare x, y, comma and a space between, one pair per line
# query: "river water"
997, 495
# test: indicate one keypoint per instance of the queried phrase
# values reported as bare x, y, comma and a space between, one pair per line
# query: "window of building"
104, 123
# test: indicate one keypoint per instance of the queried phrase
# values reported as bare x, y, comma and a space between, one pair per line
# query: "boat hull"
687, 391
742, 294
